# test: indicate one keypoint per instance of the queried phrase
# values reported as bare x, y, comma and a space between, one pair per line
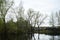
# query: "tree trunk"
5, 31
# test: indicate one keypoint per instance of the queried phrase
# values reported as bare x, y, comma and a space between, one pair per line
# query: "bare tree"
30, 15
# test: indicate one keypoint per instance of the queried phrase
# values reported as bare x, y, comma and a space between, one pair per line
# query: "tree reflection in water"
16, 37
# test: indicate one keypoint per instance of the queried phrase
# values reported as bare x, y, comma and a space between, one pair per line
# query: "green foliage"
11, 26
20, 26
1, 25
23, 25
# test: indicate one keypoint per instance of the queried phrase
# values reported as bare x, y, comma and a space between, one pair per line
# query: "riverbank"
40, 30
47, 30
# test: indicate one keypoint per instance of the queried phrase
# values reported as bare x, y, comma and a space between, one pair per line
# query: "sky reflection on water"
45, 37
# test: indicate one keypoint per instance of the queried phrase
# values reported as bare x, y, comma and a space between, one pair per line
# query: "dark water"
35, 36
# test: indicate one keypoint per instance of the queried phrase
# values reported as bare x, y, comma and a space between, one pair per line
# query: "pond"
45, 37
34, 36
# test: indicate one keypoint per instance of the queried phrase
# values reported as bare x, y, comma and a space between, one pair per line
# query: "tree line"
24, 22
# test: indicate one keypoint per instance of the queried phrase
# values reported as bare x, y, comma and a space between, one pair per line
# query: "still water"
45, 37
34, 36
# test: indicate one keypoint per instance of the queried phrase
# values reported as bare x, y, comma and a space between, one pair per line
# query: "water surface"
34, 36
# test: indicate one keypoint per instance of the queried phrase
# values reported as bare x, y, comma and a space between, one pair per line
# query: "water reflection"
35, 36
45, 37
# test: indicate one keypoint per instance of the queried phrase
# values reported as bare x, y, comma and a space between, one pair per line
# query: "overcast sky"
41, 5
44, 6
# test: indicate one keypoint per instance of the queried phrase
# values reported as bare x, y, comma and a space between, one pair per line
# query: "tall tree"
5, 5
